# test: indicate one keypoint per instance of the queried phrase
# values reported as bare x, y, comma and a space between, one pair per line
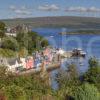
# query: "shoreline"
81, 32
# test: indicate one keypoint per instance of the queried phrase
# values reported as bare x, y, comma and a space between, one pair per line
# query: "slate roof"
13, 61
10, 61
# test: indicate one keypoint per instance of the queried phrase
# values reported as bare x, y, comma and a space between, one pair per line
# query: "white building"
23, 62
11, 34
11, 63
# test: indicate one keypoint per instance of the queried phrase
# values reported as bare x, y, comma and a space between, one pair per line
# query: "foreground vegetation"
72, 85
25, 87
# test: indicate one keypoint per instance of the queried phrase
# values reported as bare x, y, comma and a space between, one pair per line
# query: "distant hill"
63, 21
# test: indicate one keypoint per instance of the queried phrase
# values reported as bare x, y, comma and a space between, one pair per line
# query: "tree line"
30, 41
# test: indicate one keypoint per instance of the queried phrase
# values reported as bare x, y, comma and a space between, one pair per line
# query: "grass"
7, 53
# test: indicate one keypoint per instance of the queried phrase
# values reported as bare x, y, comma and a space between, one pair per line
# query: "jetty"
49, 68
67, 54
77, 52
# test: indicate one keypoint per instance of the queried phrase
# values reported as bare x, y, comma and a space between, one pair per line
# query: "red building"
30, 63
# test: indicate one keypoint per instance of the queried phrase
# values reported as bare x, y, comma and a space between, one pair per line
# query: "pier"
67, 54
50, 68
77, 52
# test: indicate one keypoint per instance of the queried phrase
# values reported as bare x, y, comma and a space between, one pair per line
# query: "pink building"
30, 63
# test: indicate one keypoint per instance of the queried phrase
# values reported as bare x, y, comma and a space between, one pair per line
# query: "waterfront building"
10, 63
30, 63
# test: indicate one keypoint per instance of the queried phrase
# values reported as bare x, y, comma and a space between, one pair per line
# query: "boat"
61, 51
51, 36
81, 64
78, 52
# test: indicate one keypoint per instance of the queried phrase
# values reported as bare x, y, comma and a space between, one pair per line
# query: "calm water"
89, 43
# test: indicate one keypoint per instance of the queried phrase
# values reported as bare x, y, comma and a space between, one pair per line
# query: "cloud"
12, 7
82, 9
93, 9
78, 9
52, 7
23, 10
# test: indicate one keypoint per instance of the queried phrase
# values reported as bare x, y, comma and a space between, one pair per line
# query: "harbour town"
49, 50
39, 59
49, 57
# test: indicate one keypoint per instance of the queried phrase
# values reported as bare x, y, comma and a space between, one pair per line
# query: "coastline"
82, 32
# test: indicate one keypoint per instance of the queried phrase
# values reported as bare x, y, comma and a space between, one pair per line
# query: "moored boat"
78, 52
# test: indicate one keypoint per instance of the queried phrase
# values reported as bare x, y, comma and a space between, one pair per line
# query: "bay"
90, 43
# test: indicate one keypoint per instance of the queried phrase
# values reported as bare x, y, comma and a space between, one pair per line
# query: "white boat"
81, 64
78, 52
61, 51
51, 36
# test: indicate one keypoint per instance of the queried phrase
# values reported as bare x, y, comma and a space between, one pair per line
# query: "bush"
14, 93
86, 92
10, 43
93, 62
7, 53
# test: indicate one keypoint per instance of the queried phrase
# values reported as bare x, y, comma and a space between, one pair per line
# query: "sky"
41, 8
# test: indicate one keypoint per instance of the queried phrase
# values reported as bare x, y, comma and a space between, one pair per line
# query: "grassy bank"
7, 53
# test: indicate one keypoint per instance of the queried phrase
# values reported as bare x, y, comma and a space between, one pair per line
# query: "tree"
2, 34
7, 53
2, 26
2, 29
68, 81
93, 62
31, 41
44, 43
22, 52
3, 70
86, 92
93, 74
67, 77
10, 43
14, 92
72, 71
